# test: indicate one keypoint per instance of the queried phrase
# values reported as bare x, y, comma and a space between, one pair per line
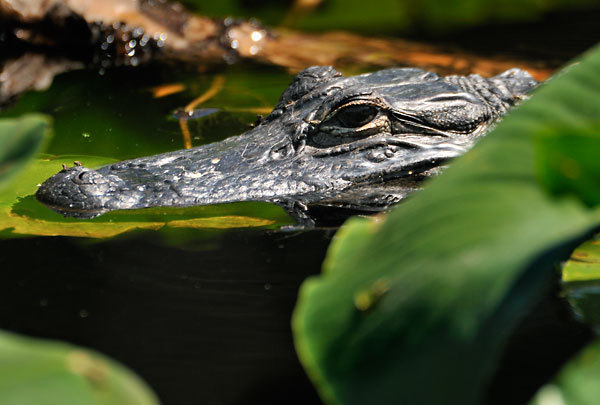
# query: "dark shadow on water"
208, 322
205, 318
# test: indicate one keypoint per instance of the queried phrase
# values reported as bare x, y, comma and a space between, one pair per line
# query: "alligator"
355, 144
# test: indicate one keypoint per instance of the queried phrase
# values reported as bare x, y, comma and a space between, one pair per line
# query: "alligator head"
363, 141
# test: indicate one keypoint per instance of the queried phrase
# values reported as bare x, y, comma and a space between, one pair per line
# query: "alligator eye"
354, 116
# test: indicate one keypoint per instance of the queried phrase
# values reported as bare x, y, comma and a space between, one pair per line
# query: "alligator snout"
78, 191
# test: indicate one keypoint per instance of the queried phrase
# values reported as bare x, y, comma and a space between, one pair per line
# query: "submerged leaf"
20, 139
34, 371
418, 308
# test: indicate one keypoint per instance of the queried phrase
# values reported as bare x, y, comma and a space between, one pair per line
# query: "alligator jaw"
215, 173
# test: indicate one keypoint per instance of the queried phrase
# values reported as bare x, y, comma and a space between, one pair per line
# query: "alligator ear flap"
281, 150
515, 84
305, 82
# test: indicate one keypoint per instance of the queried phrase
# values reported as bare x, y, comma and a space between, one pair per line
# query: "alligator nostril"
82, 177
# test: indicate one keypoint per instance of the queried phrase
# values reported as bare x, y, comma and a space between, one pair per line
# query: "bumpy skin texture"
361, 142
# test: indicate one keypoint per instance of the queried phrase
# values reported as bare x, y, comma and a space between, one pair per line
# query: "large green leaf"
568, 162
41, 372
20, 139
416, 308
577, 382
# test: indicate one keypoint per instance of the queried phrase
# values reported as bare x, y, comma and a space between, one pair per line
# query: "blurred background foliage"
384, 16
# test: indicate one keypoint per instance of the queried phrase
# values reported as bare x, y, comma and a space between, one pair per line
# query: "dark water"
205, 322
208, 320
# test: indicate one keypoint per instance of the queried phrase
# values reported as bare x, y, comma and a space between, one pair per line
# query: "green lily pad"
34, 371
131, 121
416, 308
105, 115
22, 214
584, 263
20, 140
577, 382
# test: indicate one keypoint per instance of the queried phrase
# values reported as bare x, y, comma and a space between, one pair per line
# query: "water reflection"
584, 299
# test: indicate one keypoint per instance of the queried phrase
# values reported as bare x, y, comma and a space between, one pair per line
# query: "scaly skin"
362, 142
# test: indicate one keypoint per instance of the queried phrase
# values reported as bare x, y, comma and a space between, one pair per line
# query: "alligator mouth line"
367, 144
89, 213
